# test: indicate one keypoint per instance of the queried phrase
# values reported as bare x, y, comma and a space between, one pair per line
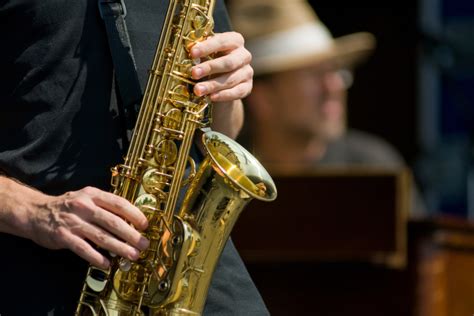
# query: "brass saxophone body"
172, 276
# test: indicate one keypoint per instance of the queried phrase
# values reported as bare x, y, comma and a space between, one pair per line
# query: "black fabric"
56, 128
59, 131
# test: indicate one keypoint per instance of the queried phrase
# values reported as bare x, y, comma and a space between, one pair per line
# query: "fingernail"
143, 243
200, 90
106, 263
144, 224
196, 52
134, 254
198, 72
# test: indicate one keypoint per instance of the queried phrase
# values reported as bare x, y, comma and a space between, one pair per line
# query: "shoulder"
374, 148
358, 147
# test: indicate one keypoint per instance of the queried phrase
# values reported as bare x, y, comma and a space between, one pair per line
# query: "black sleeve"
221, 18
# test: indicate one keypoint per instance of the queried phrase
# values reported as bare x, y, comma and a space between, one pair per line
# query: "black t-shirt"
56, 129
59, 131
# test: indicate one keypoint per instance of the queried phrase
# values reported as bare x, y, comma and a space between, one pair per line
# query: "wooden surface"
357, 214
443, 256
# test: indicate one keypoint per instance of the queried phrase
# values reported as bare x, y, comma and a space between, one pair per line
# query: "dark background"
436, 137
383, 98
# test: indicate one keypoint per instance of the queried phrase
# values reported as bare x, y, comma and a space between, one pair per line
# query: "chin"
331, 133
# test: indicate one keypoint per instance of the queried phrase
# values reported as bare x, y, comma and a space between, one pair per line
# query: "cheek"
295, 101
302, 113
303, 100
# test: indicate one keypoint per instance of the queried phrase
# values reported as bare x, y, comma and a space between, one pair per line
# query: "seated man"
297, 110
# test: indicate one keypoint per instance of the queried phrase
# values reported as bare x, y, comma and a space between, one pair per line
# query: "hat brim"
346, 51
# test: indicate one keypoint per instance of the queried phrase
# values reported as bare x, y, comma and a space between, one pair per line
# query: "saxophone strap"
113, 12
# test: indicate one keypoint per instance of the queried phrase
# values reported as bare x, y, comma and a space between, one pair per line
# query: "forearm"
16, 201
228, 118
72, 220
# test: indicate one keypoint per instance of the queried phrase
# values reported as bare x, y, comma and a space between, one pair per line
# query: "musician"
302, 100
59, 136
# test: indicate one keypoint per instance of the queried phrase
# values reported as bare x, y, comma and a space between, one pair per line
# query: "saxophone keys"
125, 264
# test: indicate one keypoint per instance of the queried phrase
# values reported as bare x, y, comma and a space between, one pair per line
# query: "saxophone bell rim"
250, 176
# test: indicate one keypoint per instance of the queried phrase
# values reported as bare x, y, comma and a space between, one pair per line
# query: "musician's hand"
66, 221
230, 73
71, 220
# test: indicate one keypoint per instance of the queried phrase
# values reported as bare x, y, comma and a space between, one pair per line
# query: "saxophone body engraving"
191, 211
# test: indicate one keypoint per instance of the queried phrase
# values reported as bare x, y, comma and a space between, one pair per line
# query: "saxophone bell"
227, 180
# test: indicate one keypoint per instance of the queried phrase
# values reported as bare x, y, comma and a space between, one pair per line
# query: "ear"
259, 101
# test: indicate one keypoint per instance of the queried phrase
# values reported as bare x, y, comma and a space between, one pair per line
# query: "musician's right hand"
73, 219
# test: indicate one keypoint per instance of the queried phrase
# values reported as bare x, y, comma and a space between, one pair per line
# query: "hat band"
302, 40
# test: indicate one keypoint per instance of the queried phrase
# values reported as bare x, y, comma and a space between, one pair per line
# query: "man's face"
310, 102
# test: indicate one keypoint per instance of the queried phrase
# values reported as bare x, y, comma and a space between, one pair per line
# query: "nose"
338, 80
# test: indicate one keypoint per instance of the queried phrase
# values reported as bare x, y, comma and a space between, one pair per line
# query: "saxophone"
191, 210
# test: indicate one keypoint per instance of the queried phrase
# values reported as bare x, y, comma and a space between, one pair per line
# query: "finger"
220, 42
238, 92
225, 81
119, 206
227, 63
84, 250
118, 227
106, 241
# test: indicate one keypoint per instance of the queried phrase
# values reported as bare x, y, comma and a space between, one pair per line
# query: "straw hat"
287, 34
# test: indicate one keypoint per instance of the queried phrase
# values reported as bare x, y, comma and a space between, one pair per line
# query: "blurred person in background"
297, 111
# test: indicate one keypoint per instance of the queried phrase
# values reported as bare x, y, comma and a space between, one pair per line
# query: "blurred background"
345, 241
417, 89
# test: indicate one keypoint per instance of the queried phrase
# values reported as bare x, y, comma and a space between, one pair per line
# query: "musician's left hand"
230, 74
